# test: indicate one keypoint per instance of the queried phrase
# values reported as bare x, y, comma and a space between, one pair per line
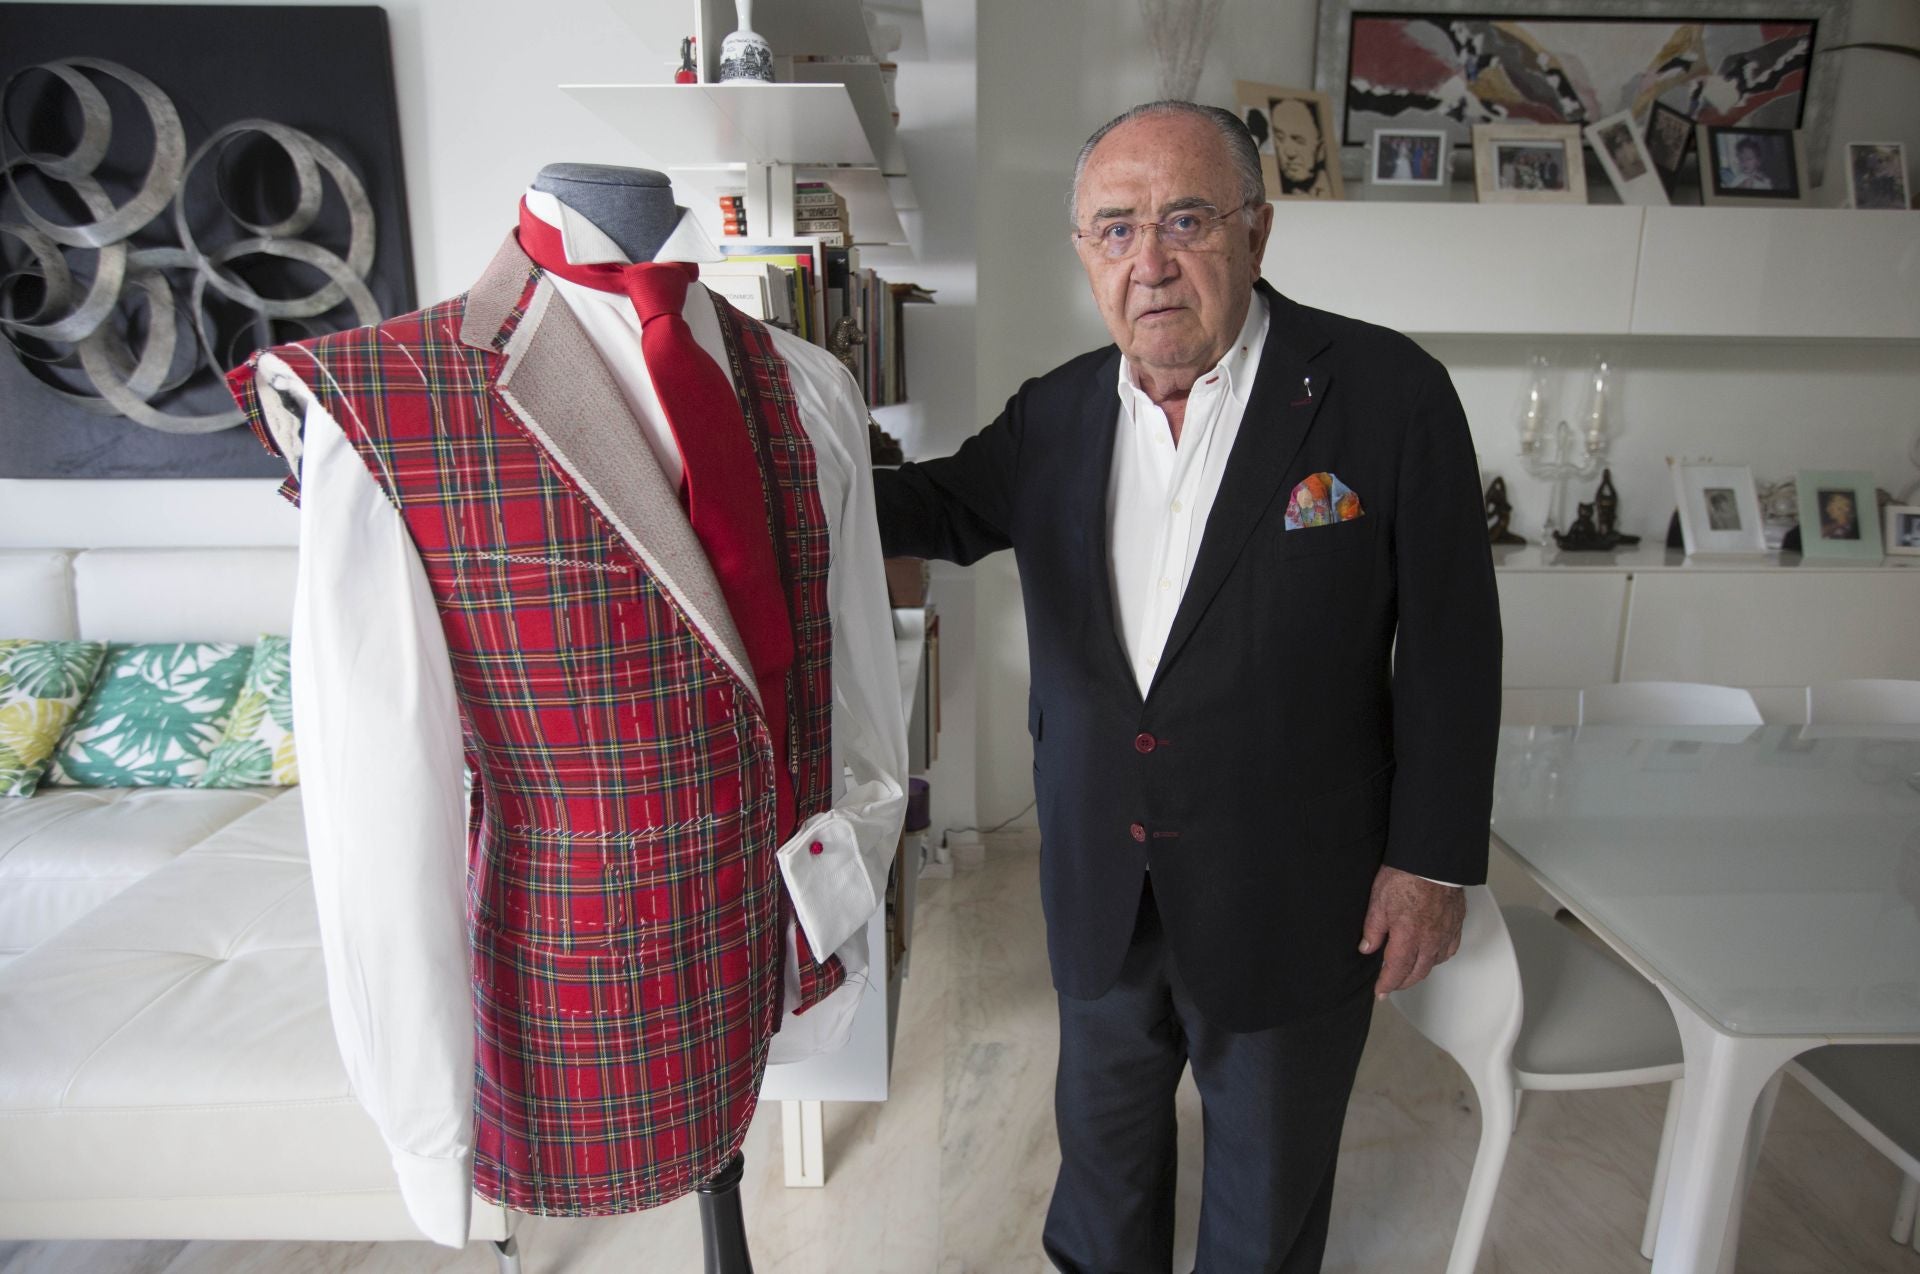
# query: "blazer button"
1144, 743
1139, 831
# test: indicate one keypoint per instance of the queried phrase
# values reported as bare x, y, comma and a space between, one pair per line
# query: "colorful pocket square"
1320, 500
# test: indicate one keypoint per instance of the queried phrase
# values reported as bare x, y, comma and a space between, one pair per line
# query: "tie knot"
658, 288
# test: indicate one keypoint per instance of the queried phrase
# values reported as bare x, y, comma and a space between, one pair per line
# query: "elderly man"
1265, 650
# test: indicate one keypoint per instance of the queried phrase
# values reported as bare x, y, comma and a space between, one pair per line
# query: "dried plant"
1179, 31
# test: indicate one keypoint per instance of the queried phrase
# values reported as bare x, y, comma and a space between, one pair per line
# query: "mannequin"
559, 993
632, 206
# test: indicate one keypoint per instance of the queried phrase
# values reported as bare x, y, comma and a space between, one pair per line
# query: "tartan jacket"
627, 917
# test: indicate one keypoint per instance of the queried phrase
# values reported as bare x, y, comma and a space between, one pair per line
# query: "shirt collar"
587, 244
1238, 366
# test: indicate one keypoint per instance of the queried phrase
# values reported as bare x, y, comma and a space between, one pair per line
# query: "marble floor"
951, 1176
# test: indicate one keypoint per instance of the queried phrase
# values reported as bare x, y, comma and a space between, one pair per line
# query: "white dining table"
1766, 879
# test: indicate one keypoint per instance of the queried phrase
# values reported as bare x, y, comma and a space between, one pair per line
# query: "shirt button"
816, 848
1139, 831
1144, 743
1166, 584
1176, 506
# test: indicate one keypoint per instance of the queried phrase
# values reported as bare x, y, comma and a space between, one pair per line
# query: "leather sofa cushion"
65, 851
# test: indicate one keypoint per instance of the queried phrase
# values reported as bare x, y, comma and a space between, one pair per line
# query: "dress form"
631, 206
634, 207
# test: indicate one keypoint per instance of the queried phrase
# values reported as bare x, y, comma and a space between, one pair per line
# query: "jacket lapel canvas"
556, 384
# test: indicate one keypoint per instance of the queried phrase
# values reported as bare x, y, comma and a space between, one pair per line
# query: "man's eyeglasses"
1187, 228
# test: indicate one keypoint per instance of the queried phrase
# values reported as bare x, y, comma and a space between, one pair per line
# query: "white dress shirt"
1160, 494
381, 756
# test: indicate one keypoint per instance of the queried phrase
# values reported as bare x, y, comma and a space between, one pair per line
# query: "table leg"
803, 1129
1726, 1075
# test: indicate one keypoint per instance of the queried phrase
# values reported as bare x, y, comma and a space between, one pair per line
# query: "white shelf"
868, 195
1780, 272
706, 134
683, 124
1505, 270
869, 96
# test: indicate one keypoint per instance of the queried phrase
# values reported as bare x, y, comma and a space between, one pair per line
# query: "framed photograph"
1451, 64
1839, 514
1903, 530
1409, 157
1752, 166
1719, 510
1529, 163
1877, 175
1622, 150
1669, 136
1296, 136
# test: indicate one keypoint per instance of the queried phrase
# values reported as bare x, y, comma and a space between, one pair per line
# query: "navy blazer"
1328, 699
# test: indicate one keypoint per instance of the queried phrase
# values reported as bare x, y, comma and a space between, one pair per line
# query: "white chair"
1667, 703
1875, 1089
1866, 702
1528, 1004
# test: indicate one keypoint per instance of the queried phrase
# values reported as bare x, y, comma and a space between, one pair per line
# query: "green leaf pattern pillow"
158, 711
257, 749
41, 684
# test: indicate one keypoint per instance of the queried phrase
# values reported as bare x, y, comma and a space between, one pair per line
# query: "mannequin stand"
723, 1229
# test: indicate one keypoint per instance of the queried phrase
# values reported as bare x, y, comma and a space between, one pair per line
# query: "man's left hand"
1418, 920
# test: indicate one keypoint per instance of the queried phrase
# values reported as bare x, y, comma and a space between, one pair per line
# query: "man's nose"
1156, 263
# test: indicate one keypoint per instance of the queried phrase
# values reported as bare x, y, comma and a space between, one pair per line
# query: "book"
804, 257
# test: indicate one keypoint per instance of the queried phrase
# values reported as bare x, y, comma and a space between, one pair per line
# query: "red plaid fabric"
625, 902
800, 539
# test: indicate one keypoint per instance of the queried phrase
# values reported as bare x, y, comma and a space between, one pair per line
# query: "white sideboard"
1770, 624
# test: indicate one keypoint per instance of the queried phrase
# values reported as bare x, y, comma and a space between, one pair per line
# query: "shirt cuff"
438, 1194
1448, 883
827, 879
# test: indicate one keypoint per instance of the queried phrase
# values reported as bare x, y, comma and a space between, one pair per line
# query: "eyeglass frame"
1156, 227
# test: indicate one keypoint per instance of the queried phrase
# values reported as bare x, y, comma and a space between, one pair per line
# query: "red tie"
723, 493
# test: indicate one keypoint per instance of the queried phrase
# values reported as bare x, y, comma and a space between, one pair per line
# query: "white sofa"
167, 1064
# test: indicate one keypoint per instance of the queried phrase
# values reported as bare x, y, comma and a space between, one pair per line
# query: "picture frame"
1877, 176
1300, 149
1529, 163
1903, 530
1764, 167
1669, 139
1839, 514
1621, 149
1810, 81
1409, 157
1719, 509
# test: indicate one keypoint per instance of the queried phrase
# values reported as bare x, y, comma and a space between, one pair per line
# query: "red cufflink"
816, 848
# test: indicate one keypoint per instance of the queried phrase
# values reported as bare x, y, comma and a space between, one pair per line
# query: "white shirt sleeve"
377, 730
836, 865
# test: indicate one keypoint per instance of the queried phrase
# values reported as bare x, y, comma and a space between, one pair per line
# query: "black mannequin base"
723, 1230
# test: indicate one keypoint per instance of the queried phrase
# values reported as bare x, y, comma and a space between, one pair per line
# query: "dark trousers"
1273, 1103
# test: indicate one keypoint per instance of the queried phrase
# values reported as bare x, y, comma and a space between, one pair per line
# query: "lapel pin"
1306, 392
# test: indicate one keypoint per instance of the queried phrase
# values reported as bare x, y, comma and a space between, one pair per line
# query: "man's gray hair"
1244, 155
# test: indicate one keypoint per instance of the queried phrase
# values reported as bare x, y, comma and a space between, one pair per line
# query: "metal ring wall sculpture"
57, 313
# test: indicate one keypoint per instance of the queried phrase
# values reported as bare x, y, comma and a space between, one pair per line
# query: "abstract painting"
1451, 64
179, 186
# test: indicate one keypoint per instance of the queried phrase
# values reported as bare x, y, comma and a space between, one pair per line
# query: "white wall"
479, 115
1052, 73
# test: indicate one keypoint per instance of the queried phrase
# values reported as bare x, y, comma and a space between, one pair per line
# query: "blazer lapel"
1085, 503
1287, 394
561, 391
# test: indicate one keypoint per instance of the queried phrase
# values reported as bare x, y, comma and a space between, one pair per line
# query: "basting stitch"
528, 560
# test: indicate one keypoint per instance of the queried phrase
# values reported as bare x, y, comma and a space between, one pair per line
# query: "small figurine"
1607, 508
1499, 514
1583, 535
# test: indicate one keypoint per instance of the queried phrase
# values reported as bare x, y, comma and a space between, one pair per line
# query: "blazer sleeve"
958, 508
1446, 667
